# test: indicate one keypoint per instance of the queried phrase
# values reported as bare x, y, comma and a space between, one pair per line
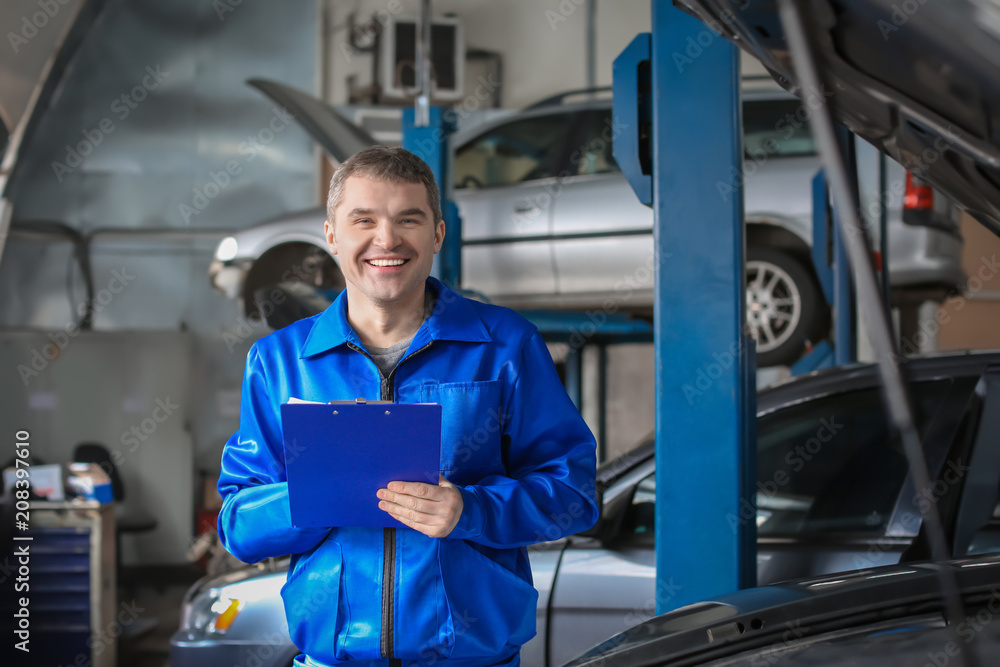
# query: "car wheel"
293, 262
785, 307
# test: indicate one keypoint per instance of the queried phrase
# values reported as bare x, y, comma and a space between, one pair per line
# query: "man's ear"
438, 236
331, 236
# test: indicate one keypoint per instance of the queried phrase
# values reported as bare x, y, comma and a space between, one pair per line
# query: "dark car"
833, 494
882, 616
921, 81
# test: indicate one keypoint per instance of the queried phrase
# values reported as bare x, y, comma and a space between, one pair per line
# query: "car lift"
678, 91
704, 437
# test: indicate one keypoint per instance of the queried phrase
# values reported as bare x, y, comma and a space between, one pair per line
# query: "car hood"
771, 616
41, 47
919, 80
338, 136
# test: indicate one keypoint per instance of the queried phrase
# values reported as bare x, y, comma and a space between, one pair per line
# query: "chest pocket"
471, 428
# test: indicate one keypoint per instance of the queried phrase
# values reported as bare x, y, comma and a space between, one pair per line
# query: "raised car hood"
39, 42
918, 79
338, 136
771, 616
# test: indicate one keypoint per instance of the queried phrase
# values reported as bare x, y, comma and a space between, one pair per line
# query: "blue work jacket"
511, 441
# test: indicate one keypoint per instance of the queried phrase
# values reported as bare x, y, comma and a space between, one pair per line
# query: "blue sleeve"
550, 454
255, 522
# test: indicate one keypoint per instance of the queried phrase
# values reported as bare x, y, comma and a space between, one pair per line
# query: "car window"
827, 465
519, 151
776, 128
593, 153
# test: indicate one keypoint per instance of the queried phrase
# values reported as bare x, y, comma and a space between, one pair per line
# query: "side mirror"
612, 515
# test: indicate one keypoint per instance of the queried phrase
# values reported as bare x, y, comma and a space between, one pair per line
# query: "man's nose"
386, 236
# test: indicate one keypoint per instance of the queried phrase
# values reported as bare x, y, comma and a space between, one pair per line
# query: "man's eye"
410, 220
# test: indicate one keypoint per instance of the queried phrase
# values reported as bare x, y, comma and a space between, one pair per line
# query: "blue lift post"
430, 143
830, 261
705, 376
822, 253
829, 257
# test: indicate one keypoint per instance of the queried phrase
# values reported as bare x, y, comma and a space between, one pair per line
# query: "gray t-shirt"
386, 358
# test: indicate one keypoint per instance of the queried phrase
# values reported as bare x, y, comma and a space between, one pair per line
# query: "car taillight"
918, 195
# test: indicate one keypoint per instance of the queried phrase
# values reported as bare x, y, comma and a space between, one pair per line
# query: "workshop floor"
157, 607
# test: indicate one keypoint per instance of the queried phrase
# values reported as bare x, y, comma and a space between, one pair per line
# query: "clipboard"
339, 454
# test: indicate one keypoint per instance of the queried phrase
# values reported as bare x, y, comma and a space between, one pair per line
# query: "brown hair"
384, 163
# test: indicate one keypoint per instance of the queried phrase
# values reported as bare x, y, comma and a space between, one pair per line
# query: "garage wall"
971, 319
543, 43
155, 135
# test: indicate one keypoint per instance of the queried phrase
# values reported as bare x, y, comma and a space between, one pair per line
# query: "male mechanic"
452, 584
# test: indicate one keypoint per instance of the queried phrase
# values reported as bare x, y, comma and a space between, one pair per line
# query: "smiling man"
452, 583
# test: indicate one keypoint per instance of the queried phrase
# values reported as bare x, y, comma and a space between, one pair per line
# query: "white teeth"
386, 262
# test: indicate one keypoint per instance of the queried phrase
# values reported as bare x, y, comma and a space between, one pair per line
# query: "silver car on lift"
550, 222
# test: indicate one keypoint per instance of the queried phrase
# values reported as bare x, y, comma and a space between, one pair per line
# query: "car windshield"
776, 128
825, 465
523, 150
832, 465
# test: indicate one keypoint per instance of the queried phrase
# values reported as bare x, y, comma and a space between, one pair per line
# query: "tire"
785, 306
298, 262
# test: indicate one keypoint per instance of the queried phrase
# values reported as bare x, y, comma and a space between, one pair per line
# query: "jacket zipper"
388, 534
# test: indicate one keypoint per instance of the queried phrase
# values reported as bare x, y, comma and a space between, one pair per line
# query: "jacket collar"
453, 318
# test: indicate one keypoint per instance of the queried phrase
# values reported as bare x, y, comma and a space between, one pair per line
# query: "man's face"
385, 237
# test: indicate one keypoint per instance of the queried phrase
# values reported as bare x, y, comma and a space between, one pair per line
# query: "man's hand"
432, 510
